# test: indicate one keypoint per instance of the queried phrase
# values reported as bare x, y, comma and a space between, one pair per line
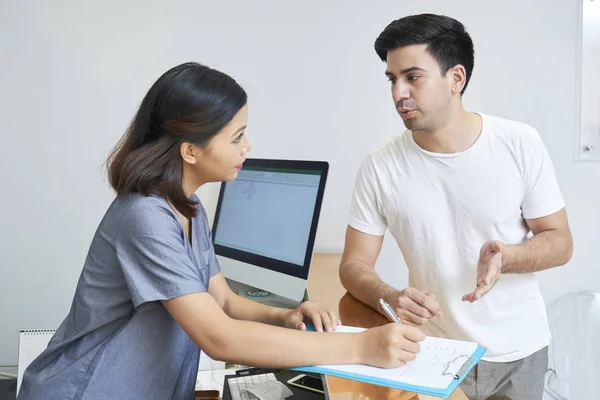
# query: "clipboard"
378, 378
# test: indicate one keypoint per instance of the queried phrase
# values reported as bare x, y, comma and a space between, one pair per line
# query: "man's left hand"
489, 268
322, 319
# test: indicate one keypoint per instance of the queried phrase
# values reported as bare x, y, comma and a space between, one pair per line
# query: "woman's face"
224, 155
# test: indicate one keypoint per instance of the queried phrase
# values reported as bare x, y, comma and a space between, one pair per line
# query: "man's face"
421, 94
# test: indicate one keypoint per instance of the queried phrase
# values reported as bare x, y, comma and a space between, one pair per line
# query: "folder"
441, 365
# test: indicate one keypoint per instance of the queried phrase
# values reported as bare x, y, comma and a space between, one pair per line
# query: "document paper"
434, 367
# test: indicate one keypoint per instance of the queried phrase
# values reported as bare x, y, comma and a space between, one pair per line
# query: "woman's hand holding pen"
391, 345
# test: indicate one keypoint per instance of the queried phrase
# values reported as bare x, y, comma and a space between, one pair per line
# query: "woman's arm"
262, 345
238, 307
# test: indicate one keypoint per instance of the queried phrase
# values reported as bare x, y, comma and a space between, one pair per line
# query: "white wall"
590, 79
72, 74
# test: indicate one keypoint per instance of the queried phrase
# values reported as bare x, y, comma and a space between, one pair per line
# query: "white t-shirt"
441, 208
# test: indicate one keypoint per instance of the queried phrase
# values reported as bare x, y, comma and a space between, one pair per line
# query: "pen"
389, 311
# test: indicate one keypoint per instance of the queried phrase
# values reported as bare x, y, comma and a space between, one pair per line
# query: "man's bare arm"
358, 276
550, 246
357, 268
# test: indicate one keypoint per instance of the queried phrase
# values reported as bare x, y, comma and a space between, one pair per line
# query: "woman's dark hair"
189, 103
447, 40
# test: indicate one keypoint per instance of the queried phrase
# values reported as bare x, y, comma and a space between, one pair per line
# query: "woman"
151, 294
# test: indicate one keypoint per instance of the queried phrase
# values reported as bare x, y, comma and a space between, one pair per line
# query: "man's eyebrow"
407, 70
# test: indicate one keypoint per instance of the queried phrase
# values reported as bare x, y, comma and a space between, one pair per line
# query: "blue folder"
444, 393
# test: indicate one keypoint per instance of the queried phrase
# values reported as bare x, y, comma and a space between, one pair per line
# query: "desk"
324, 287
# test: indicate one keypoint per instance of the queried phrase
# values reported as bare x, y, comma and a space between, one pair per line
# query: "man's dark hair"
447, 40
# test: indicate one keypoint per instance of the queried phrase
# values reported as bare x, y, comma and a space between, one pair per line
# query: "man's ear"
458, 78
189, 153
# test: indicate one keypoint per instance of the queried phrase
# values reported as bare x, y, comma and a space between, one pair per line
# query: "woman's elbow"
215, 348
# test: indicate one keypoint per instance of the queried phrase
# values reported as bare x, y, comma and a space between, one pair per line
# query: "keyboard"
238, 385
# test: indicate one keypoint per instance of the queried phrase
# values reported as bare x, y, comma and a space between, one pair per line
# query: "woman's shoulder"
153, 209
142, 211
135, 202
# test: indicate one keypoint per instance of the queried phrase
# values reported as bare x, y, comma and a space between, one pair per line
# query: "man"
460, 193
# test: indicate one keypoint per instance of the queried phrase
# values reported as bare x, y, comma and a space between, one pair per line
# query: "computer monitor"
265, 224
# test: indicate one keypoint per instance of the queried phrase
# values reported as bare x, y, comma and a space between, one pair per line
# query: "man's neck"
458, 132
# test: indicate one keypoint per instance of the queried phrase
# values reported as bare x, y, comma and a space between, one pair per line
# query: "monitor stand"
262, 296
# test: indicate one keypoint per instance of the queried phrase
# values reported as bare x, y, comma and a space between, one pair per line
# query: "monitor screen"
268, 215
269, 211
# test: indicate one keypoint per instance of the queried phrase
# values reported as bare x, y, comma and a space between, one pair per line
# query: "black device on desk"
283, 376
308, 382
8, 389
